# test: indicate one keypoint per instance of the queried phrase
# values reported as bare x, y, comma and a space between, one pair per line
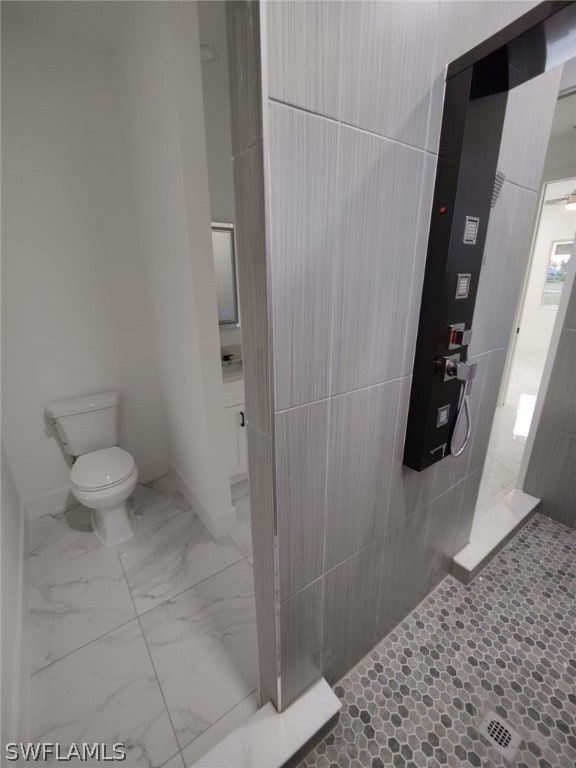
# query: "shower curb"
494, 535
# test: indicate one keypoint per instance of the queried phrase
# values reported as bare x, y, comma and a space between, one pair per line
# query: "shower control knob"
460, 370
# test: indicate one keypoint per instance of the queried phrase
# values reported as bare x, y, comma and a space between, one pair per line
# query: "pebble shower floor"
506, 642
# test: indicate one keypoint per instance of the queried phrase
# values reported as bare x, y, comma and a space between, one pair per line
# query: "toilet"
103, 475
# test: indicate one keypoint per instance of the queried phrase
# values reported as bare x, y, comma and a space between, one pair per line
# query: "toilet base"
113, 525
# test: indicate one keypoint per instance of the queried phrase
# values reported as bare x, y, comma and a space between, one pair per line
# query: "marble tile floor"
153, 643
505, 643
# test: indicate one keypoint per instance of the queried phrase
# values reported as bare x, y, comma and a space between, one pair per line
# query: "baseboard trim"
53, 503
271, 738
218, 526
152, 470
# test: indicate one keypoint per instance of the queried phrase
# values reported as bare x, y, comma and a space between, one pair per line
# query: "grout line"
143, 634
347, 392
212, 725
345, 124
192, 586
84, 645
520, 186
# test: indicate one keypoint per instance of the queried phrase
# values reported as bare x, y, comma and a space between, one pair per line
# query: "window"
556, 274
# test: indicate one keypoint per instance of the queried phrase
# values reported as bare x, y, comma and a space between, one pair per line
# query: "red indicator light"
443, 209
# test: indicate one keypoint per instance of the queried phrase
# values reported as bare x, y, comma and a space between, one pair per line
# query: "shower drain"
502, 737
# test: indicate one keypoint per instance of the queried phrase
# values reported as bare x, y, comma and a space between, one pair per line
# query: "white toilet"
103, 476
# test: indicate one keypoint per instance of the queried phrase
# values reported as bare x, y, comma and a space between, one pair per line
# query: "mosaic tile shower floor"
506, 642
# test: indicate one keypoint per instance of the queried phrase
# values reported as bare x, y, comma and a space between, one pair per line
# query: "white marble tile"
176, 762
241, 535
156, 502
54, 539
242, 506
167, 558
212, 736
204, 647
105, 692
76, 602
270, 738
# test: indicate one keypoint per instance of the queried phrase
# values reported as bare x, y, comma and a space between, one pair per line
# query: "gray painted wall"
347, 540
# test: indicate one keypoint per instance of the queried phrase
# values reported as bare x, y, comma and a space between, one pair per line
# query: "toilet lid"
101, 469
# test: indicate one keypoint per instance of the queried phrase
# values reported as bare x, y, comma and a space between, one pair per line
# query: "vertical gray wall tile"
551, 473
385, 82
376, 258
262, 513
304, 214
361, 445
506, 256
266, 622
409, 490
443, 518
559, 410
493, 364
304, 54
401, 574
260, 468
416, 555
350, 595
461, 27
412, 313
300, 641
244, 72
252, 275
465, 25
301, 444
469, 499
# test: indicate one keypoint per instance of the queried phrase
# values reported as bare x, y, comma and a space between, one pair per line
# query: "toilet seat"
102, 469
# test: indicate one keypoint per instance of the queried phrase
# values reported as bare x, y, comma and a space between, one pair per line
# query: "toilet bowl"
102, 481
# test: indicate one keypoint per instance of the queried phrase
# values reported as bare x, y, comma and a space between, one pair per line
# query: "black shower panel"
469, 148
476, 93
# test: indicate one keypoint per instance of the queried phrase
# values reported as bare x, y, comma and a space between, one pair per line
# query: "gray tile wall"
351, 123
552, 467
245, 74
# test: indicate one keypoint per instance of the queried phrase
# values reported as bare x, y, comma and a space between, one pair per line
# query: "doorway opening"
502, 506
545, 280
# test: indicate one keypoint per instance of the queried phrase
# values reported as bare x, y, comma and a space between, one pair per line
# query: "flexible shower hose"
463, 410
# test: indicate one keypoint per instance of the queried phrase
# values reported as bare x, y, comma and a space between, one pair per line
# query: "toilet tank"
86, 424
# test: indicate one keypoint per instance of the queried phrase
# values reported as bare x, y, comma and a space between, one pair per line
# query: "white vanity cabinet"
235, 437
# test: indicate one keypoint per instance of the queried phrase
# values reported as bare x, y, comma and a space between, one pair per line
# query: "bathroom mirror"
225, 269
